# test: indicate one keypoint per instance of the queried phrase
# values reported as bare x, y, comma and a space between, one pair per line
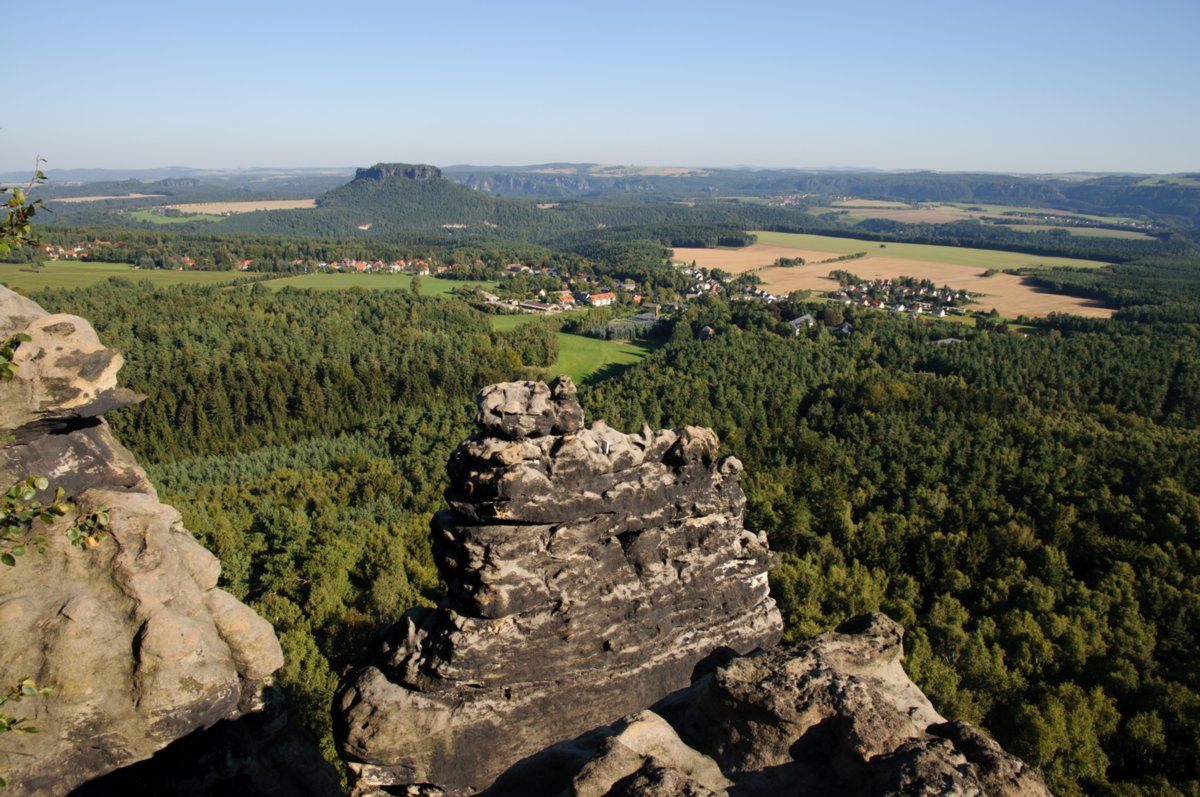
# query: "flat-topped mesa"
589, 573
387, 171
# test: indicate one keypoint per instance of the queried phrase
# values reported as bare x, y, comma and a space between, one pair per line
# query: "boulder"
131, 634
589, 572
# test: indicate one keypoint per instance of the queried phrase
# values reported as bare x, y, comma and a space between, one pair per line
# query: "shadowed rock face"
137, 642
836, 715
589, 573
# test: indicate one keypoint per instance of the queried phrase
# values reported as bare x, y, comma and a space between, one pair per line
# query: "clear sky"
1024, 86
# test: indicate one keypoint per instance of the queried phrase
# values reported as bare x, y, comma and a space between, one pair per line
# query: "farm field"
954, 255
430, 286
69, 199
960, 268
244, 207
79, 274
945, 212
1007, 294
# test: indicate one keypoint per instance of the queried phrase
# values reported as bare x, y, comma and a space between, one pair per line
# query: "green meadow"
582, 357
429, 286
79, 274
1089, 232
953, 255
156, 218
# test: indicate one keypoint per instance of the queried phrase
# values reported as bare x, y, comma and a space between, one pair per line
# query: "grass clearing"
80, 274
1179, 180
584, 358
1088, 232
247, 206
158, 218
429, 286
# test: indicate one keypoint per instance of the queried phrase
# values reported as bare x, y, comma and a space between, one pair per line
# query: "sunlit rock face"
132, 635
590, 573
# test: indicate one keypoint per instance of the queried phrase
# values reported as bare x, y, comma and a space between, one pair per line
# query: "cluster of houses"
903, 296
75, 252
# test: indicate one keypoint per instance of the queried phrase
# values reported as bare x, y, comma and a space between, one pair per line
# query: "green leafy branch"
8, 369
9, 724
23, 689
20, 511
15, 229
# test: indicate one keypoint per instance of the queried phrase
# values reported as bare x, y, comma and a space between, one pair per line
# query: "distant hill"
418, 197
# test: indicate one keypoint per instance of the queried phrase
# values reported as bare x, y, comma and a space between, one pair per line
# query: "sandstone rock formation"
836, 715
387, 171
137, 642
590, 574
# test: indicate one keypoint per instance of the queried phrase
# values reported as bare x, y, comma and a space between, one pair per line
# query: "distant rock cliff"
590, 573
136, 641
387, 171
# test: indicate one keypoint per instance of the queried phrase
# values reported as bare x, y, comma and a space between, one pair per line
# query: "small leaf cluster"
88, 529
21, 690
19, 509
10, 724
8, 369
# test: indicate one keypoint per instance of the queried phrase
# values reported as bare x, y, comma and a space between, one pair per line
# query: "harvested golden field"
244, 207
98, 198
1008, 294
748, 258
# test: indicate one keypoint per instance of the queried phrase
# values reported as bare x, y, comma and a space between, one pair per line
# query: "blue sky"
1014, 86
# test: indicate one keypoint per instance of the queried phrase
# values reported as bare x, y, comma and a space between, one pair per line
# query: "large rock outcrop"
136, 641
389, 171
836, 715
590, 574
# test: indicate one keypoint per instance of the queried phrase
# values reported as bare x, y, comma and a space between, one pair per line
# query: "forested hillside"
1027, 505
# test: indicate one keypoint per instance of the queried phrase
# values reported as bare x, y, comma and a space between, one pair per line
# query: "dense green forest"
304, 435
1027, 505
1025, 500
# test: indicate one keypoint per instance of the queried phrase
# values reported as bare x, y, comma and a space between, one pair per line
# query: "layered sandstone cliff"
590, 572
136, 642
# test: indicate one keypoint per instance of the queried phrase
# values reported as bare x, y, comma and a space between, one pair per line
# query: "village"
549, 290
900, 295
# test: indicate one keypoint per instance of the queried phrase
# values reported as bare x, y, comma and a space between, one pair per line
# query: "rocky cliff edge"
136, 642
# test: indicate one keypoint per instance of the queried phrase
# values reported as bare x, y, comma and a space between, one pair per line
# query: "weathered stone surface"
834, 716
138, 645
64, 371
589, 573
